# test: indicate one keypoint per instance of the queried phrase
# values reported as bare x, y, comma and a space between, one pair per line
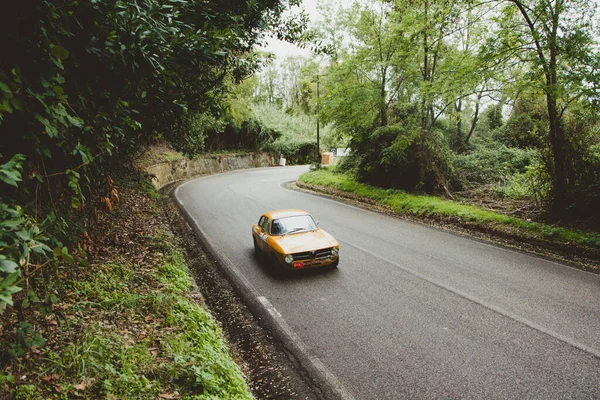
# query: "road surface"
412, 311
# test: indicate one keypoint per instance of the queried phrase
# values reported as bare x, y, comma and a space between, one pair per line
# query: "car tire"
335, 263
257, 250
274, 265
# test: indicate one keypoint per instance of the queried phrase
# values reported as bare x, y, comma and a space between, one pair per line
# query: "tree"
369, 72
560, 42
83, 84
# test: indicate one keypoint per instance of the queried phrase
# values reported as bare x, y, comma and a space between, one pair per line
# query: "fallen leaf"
168, 396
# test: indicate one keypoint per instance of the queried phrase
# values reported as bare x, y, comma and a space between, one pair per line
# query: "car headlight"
289, 258
335, 251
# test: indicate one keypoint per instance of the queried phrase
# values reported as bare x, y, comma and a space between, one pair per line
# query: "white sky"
283, 49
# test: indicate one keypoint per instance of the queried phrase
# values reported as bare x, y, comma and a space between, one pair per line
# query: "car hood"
305, 241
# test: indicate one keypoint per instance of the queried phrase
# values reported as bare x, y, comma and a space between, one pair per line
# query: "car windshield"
298, 223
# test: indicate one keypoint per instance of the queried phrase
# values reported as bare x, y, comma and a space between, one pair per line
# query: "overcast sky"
283, 49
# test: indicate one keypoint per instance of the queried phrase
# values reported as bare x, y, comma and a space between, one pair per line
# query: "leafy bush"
82, 84
21, 237
401, 157
533, 184
250, 135
527, 126
583, 167
190, 133
491, 162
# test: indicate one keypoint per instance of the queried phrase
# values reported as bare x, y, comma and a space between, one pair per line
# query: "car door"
263, 233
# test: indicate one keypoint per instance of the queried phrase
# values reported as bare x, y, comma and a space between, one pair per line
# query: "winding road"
413, 311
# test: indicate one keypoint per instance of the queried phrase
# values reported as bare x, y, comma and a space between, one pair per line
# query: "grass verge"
450, 211
122, 321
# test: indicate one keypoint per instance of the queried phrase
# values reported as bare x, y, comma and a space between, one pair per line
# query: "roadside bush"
249, 135
583, 167
527, 126
190, 133
401, 157
491, 162
534, 184
298, 152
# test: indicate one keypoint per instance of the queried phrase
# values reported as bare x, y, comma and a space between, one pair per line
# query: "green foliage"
400, 156
25, 392
190, 133
298, 133
527, 126
457, 67
534, 184
429, 206
181, 347
83, 83
490, 162
584, 163
27, 337
21, 238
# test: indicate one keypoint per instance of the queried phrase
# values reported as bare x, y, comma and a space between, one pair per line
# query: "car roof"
284, 213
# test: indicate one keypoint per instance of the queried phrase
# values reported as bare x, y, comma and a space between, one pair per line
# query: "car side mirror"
317, 223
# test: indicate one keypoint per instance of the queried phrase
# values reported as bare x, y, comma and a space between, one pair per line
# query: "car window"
297, 223
277, 227
265, 225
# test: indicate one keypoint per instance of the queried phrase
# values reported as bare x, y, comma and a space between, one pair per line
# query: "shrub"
401, 157
492, 162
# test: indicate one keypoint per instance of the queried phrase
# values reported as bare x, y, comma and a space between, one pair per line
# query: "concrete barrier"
165, 173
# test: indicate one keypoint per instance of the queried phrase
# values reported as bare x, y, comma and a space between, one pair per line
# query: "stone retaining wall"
172, 171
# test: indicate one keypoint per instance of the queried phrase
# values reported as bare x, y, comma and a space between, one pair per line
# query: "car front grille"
312, 255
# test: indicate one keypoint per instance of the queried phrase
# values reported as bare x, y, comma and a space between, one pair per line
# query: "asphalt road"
412, 311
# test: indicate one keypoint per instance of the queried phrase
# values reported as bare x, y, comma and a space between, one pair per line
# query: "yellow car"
292, 240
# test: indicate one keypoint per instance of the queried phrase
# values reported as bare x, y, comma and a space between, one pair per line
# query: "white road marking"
488, 305
345, 395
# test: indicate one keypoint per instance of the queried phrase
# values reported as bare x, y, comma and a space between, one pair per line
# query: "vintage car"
292, 240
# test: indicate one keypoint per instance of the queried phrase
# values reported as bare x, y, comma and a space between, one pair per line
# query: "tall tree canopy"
82, 82
409, 81
557, 37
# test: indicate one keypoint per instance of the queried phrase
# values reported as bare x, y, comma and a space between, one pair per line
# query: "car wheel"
274, 265
257, 250
335, 263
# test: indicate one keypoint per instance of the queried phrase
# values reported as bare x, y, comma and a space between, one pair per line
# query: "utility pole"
318, 111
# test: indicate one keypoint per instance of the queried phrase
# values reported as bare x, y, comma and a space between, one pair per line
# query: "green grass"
157, 154
151, 340
126, 327
431, 206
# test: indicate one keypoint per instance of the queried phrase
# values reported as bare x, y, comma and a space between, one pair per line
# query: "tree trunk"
475, 117
383, 104
557, 144
557, 134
